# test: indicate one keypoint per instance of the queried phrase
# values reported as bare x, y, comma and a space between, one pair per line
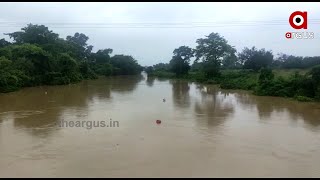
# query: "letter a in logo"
298, 20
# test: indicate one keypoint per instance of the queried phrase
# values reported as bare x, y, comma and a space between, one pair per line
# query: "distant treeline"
39, 56
216, 61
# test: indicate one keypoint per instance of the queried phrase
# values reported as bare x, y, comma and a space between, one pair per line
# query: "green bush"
86, 71
197, 76
243, 79
303, 98
163, 74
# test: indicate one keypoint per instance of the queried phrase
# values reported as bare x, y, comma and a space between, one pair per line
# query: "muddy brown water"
204, 131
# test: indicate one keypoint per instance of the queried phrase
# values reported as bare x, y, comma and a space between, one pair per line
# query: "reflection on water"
266, 106
180, 93
205, 131
150, 81
124, 84
40, 108
213, 105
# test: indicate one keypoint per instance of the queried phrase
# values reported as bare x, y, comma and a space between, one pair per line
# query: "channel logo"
299, 20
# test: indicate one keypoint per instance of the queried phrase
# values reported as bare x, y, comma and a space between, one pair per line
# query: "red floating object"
158, 121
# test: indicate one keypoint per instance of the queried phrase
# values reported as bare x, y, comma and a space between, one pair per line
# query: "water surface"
205, 131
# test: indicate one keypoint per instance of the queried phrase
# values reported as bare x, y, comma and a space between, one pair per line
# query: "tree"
10, 79
79, 39
212, 50
180, 61
125, 65
4, 43
41, 60
38, 56
102, 62
34, 34
289, 61
149, 70
255, 59
161, 67
59, 46
295, 62
79, 44
66, 63
315, 76
103, 56
265, 82
231, 62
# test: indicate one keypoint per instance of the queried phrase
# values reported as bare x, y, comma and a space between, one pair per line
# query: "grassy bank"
297, 84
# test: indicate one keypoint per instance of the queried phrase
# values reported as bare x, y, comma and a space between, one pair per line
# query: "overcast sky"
170, 25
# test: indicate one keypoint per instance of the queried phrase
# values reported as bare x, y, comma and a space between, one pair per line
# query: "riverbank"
74, 82
296, 84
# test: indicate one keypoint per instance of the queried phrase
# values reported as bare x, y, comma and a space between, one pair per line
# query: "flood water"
205, 131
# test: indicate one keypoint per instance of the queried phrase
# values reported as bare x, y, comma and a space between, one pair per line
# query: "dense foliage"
251, 69
39, 56
180, 60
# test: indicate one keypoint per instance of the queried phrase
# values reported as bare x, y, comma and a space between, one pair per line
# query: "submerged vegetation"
38, 56
257, 70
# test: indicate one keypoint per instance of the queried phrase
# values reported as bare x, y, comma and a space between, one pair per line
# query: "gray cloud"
153, 45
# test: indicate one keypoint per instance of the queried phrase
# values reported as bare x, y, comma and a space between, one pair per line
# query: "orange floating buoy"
158, 121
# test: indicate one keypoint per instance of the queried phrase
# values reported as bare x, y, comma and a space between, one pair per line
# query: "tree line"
216, 61
38, 56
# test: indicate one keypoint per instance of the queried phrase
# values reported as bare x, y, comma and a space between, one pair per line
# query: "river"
204, 131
